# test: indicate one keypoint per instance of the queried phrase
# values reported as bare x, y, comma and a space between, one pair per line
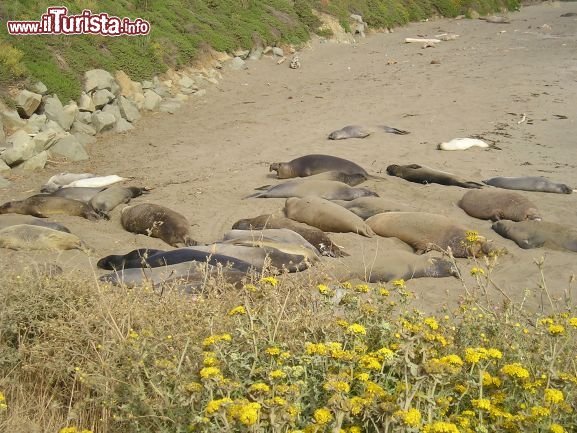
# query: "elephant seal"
495, 204
94, 182
462, 144
313, 164
529, 183
277, 235
421, 174
108, 199
426, 232
76, 193
30, 237
350, 131
12, 220
59, 180
158, 222
327, 189
366, 207
44, 206
337, 176
536, 234
496, 19
314, 236
143, 258
325, 215
568, 15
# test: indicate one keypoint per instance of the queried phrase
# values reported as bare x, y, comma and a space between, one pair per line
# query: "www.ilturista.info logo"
57, 22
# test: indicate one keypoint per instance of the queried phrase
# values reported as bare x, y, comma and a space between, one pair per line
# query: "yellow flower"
384, 354
245, 412
357, 405
325, 290
383, 291
316, 349
209, 341
441, 427
277, 374
362, 288
399, 284
132, 334
210, 360
489, 380
3, 405
273, 351
431, 323
477, 271
540, 411
250, 287
546, 321
369, 362
355, 429
362, 377
209, 372
270, 280
411, 417
337, 385
193, 387
259, 387
452, 360
472, 236
323, 416
556, 428
342, 323
356, 329
573, 322
556, 329
482, 403
240, 310
215, 405
553, 396
515, 370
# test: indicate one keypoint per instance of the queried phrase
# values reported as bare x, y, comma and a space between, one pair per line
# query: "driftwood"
422, 40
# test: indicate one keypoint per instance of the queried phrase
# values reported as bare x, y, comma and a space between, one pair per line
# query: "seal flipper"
470, 184
263, 188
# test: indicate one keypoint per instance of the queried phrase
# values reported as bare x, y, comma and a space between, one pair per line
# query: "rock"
102, 97
70, 148
180, 97
84, 117
147, 85
98, 79
27, 102
55, 111
85, 103
20, 148
114, 110
243, 54
201, 92
35, 123
4, 183
139, 101
267, 49
36, 162
278, 52
4, 166
162, 90
188, 90
358, 29
51, 125
84, 139
70, 112
357, 18
40, 88
474, 14
237, 64
186, 82
84, 128
46, 139
123, 126
169, 106
128, 109
256, 52
2, 134
152, 100
11, 120
103, 121
125, 83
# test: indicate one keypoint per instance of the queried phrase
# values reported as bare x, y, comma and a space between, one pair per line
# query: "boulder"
114, 110
84, 128
84, 117
85, 103
46, 139
70, 112
99, 79
70, 148
83, 138
27, 102
103, 121
51, 125
11, 120
152, 100
147, 85
36, 162
123, 125
237, 64
170, 106
55, 111
278, 52
35, 123
20, 148
128, 109
186, 82
128, 88
102, 97
40, 88
243, 54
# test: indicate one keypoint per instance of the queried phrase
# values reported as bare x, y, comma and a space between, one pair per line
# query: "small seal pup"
325, 215
108, 199
366, 207
327, 189
313, 235
77, 193
44, 206
536, 234
350, 131
59, 180
462, 144
425, 175
30, 237
426, 232
495, 204
529, 183
94, 182
313, 164
158, 222
8, 220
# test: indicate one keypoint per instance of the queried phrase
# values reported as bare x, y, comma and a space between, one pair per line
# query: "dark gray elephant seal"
366, 207
337, 176
536, 234
496, 204
158, 222
30, 237
313, 164
350, 131
120, 261
15, 219
316, 237
44, 206
107, 200
327, 189
421, 174
529, 183
78, 193
426, 232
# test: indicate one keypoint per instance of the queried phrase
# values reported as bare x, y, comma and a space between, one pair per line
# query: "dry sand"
204, 158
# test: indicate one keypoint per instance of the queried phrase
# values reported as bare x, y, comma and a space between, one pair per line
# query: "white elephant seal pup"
462, 144
95, 182
495, 204
426, 232
350, 131
59, 180
327, 189
529, 183
325, 215
29, 237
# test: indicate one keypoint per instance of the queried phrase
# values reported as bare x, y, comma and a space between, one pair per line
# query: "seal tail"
263, 188
256, 194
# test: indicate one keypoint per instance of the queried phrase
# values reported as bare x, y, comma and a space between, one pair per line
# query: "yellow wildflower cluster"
475, 354
323, 416
554, 396
273, 351
482, 403
325, 290
472, 236
240, 311
556, 428
431, 323
440, 427
3, 405
211, 373
356, 329
73, 430
489, 380
213, 339
411, 417
245, 412
269, 280
399, 284
336, 384
477, 271
540, 412
370, 362
259, 388
362, 288
515, 370
215, 405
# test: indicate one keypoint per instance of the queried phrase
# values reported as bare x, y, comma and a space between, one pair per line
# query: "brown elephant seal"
313, 164
350, 131
30, 237
529, 183
158, 222
366, 207
325, 215
44, 206
421, 174
313, 235
495, 204
78, 193
15, 219
276, 235
337, 176
327, 189
426, 232
108, 199
536, 234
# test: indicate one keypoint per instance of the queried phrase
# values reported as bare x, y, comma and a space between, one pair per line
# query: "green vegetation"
180, 30
279, 356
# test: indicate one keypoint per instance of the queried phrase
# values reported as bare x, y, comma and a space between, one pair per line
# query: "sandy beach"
203, 159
